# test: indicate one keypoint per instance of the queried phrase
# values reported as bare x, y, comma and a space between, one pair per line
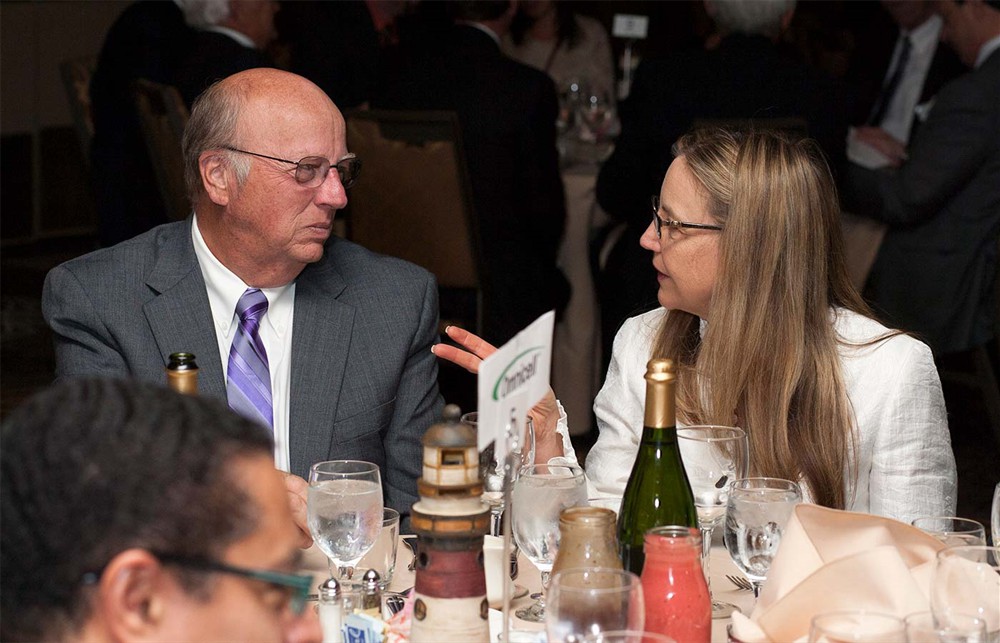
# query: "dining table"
314, 562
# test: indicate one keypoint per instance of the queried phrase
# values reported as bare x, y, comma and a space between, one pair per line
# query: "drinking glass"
540, 494
714, 456
922, 627
995, 517
952, 531
857, 626
382, 556
596, 116
967, 581
614, 503
584, 602
491, 472
756, 514
345, 511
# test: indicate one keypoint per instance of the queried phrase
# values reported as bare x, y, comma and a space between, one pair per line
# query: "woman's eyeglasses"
672, 225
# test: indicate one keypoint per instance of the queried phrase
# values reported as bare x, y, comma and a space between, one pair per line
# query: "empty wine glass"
540, 494
967, 581
952, 531
584, 602
922, 627
995, 517
345, 511
491, 471
714, 456
756, 515
596, 116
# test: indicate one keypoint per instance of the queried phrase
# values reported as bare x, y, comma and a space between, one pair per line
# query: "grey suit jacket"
363, 378
935, 270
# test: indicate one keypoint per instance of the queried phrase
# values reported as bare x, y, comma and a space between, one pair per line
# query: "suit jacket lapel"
180, 316
321, 337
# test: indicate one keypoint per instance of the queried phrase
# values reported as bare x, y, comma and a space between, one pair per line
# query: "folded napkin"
832, 560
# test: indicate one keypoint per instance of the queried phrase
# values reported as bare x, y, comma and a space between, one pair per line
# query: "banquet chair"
414, 202
76, 73
163, 116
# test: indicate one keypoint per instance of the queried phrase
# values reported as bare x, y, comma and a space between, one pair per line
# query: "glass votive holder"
856, 626
922, 627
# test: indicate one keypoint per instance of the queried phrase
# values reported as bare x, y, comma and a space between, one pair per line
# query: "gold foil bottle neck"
661, 383
182, 373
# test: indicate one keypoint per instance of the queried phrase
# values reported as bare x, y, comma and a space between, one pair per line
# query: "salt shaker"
371, 594
331, 611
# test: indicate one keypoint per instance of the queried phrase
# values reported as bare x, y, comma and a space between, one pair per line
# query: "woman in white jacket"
768, 334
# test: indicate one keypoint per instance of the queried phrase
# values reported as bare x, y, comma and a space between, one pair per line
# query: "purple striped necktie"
248, 384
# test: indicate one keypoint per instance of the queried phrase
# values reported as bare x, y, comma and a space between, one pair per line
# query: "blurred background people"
231, 36
936, 268
507, 112
744, 76
897, 69
569, 47
148, 40
133, 513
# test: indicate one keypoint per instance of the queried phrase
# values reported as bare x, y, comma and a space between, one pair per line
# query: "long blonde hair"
768, 359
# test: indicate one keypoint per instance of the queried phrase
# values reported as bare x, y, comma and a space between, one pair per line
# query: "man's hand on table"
297, 500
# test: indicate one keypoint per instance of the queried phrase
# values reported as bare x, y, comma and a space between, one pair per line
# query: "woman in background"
769, 335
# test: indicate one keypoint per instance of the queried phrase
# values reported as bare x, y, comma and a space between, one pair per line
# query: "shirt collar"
480, 26
987, 50
225, 289
239, 37
926, 36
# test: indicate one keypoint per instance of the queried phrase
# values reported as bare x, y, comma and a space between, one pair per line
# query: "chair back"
163, 117
414, 200
76, 73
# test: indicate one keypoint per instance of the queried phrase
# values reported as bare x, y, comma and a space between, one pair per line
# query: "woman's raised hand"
545, 414
476, 349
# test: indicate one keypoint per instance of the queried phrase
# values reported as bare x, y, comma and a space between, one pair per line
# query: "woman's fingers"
472, 342
455, 355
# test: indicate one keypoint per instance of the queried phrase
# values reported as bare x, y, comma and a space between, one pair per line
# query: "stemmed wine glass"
951, 530
967, 581
345, 511
714, 456
756, 515
540, 494
491, 471
995, 517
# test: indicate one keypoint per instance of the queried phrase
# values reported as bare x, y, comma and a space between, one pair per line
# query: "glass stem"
706, 553
546, 576
347, 571
496, 520
756, 589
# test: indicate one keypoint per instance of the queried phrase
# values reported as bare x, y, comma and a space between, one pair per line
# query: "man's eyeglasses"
295, 586
676, 225
311, 171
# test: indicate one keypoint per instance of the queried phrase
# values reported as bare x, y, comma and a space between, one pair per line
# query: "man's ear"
216, 177
132, 596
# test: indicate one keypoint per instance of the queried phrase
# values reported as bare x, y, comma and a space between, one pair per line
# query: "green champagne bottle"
658, 491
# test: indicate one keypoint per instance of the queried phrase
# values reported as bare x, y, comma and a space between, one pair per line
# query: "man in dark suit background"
329, 342
146, 41
936, 268
507, 112
230, 36
744, 76
898, 69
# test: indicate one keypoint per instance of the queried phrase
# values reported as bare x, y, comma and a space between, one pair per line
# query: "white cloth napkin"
833, 560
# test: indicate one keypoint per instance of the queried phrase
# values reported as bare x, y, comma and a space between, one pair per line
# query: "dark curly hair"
90, 468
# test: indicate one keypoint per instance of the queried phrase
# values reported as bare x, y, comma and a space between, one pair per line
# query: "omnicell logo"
518, 373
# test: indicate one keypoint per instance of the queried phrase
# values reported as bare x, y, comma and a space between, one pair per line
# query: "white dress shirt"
905, 465
224, 291
900, 112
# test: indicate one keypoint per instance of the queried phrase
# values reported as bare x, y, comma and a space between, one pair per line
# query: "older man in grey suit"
323, 341
936, 268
